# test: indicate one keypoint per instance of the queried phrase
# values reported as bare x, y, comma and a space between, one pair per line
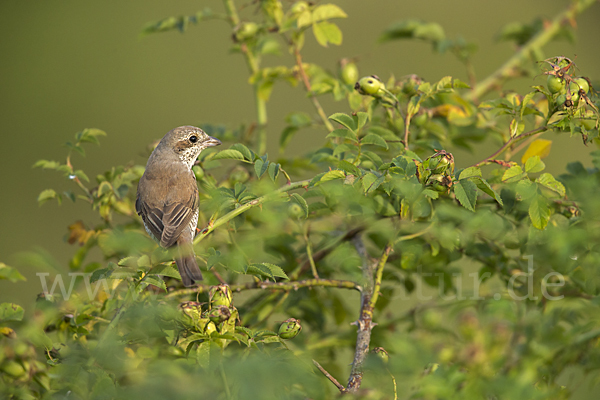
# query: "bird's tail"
187, 265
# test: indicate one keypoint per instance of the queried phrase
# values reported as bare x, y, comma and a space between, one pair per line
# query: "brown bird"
167, 195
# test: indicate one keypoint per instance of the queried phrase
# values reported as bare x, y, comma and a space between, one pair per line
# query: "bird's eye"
193, 139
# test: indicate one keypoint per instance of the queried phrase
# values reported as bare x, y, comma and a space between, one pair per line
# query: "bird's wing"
177, 217
151, 216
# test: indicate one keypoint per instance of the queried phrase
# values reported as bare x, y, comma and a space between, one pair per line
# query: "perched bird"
167, 195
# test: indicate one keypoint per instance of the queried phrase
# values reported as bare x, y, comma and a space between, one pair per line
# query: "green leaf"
332, 175
485, 187
301, 202
11, 312
165, 270
327, 32
547, 180
469, 173
539, 212
10, 273
466, 193
343, 133
266, 270
327, 11
229, 154
156, 281
534, 164
350, 168
526, 99
513, 174
248, 155
344, 120
48, 194
371, 182
374, 139
458, 84
45, 164
361, 119
273, 171
81, 175
99, 274
260, 167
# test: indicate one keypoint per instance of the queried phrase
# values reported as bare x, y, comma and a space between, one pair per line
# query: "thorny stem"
508, 69
243, 208
286, 286
307, 85
512, 140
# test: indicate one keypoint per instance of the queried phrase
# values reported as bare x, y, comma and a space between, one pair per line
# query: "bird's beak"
211, 141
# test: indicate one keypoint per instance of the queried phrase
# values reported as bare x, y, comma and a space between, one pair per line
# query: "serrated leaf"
539, 212
344, 148
534, 164
432, 194
458, 84
248, 155
260, 167
547, 180
301, 202
374, 139
11, 312
513, 174
344, 120
327, 11
343, 133
165, 270
48, 194
10, 273
469, 173
332, 175
539, 147
156, 281
45, 164
526, 99
371, 182
361, 119
81, 175
350, 168
466, 193
99, 274
327, 32
485, 187
265, 270
273, 171
229, 154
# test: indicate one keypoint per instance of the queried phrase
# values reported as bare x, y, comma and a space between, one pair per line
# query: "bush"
298, 248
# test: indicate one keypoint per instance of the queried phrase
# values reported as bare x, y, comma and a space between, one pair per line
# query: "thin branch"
547, 34
286, 286
364, 323
379, 275
243, 208
340, 387
512, 140
307, 85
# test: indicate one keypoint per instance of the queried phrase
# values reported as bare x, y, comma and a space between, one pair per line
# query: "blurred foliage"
378, 210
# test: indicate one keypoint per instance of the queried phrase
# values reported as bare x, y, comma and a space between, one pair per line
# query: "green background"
70, 65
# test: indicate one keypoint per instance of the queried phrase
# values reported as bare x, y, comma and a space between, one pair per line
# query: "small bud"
348, 71
381, 353
295, 211
290, 328
219, 314
220, 296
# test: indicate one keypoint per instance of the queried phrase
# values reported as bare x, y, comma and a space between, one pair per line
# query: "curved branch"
286, 286
539, 40
243, 208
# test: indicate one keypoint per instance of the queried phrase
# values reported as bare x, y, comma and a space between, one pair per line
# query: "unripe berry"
370, 86
554, 83
220, 296
290, 328
349, 72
